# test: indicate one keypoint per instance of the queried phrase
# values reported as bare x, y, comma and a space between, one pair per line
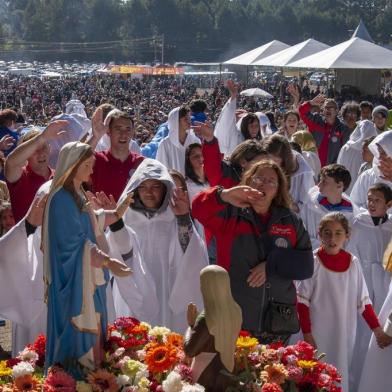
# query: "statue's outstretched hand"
119, 268
192, 314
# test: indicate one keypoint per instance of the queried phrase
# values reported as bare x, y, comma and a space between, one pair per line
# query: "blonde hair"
306, 140
282, 198
29, 135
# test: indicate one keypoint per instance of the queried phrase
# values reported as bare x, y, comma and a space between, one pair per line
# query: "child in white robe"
327, 196
371, 233
376, 375
329, 301
369, 177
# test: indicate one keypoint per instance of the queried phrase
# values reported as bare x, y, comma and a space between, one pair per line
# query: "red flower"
305, 350
275, 345
12, 362
244, 333
271, 387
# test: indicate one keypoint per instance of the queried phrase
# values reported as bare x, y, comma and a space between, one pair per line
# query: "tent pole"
220, 72
247, 75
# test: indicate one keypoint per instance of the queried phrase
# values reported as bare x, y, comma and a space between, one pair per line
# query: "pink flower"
57, 380
271, 387
185, 373
294, 373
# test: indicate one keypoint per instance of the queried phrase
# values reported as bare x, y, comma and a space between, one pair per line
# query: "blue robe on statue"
70, 229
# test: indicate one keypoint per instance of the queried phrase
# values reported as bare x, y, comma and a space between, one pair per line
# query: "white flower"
192, 388
146, 325
159, 331
141, 355
116, 334
28, 356
22, 369
141, 374
122, 380
172, 383
120, 351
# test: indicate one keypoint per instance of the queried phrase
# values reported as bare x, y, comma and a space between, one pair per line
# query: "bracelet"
106, 262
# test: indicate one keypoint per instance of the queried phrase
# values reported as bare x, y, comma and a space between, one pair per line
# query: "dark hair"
351, 106
247, 150
282, 198
368, 140
334, 217
366, 104
184, 110
68, 184
189, 172
176, 174
384, 189
197, 106
278, 145
250, 118
296, 147
291, 113
338, 172
7, 116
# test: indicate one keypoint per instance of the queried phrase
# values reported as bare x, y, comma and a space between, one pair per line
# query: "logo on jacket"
281, 243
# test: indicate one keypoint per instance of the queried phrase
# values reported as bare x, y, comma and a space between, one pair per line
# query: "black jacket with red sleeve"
244, 241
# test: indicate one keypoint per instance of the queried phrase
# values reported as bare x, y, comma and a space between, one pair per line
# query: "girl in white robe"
350, 154
171, 151
174, 271
370, 177
328, 302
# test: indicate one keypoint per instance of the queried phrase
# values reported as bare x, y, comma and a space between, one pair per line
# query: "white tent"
293, 53
256, 54
356, 53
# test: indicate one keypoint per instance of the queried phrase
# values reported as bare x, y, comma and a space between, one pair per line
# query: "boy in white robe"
382, 144
170, 246
171, 151
326, 197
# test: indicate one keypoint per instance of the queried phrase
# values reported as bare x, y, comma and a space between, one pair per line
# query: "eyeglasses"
265, 181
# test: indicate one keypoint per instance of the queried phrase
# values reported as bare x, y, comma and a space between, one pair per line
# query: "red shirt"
111, 175
22, 192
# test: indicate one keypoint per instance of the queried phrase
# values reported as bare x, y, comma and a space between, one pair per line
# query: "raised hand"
192, 314
179, 202
233, 88
55, 130
98, 124
240, 196
318, 100
119, 268
6, 142
204, 130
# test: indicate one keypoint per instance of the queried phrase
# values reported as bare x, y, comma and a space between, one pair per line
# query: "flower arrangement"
139, 358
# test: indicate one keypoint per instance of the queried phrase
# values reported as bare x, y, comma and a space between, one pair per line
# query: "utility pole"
163, 49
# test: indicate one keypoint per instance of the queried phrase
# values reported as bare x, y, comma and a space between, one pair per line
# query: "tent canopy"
256, 54
362, 32
356, 53
293, 53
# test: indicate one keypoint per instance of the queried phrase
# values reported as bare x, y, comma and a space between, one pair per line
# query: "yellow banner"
135, 69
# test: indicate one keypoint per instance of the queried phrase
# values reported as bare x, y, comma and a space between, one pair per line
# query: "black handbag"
280, 318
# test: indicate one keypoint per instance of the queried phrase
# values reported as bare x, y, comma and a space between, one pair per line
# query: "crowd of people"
294, 206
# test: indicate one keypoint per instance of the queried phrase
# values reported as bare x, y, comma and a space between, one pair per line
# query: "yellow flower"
159, 332
147, 326
144, 383
246, 342
306, 364
4, 370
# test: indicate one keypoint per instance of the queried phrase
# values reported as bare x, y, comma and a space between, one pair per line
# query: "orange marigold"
175, 339
161, 358
26, 383
275, 373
